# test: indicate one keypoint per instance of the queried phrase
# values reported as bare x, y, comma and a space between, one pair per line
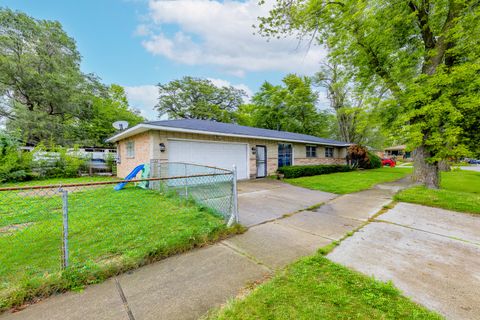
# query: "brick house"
255, 152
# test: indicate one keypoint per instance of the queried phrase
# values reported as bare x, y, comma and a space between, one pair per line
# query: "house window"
131, 149
311, 152
284, 154
328, 152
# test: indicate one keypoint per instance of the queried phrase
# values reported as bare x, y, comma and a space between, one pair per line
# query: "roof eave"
142, 127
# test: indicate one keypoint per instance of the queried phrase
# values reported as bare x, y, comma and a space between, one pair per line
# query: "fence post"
186, 182
65, 228
234, 217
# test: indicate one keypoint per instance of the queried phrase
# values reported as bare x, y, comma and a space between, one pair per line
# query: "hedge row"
374, 161
313, 170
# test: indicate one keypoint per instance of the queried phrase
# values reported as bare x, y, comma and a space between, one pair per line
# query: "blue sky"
139, 43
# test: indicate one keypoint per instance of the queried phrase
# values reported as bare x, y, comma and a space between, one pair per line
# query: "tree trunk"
444, 166
424, 172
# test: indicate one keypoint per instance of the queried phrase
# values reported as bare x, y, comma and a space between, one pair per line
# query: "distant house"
255, 152
398, 152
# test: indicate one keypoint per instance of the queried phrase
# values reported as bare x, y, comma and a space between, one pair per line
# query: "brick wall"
142, 153
314, 161
147, 147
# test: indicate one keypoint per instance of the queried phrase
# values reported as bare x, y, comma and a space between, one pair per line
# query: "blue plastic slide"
130, 176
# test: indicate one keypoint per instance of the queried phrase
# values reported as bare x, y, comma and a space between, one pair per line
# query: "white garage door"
221, 155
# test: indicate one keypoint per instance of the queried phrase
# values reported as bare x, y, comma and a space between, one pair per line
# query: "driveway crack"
124, 300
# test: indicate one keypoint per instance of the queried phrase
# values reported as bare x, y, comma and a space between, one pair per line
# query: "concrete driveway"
264, 200
431, 255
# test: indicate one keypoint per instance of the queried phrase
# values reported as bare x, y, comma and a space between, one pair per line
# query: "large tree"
40, 69
44, 96
195, 98
107, 108
424, 52
291, 106
353, 104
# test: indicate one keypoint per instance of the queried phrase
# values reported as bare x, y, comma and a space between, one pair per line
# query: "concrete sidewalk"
188, 285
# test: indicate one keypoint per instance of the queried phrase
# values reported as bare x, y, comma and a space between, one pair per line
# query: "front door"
284, 154
261, 161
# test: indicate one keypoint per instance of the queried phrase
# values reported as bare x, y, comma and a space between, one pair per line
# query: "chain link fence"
209, 186
84, 224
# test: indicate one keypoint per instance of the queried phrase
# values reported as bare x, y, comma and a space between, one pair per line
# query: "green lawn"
460, 191
109, 232
348, 182
316, 288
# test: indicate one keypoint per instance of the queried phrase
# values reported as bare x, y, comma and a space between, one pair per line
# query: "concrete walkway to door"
188, 285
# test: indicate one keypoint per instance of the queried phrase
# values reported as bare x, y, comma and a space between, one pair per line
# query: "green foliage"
59, 162
44, 96
288, 107
111, 106
354, 105
426, 55
14, 164
312, 170
40, 71
448, 106
111, 163
374, 161
195, 98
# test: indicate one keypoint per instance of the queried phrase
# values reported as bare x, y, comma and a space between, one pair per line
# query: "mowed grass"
316, 288
348, 182
460, 191
109, 232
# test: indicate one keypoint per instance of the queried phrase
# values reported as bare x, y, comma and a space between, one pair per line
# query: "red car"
388, 162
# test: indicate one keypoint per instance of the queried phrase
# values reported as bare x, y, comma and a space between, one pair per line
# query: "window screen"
328, 152
311, 152
131, 149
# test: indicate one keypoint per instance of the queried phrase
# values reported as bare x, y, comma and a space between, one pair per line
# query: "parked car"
473, 161
388, 162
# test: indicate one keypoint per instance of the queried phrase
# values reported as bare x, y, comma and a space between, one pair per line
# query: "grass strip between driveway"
316, 288
460, 191
348, 182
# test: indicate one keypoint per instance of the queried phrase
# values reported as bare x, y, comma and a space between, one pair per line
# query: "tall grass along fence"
61, 236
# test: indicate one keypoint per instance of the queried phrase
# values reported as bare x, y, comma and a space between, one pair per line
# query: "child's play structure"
145, 168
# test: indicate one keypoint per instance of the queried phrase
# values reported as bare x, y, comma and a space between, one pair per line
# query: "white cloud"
221, 34
143, 98
142, 30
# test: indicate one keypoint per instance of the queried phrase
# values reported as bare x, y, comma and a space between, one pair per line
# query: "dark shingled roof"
234, 129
